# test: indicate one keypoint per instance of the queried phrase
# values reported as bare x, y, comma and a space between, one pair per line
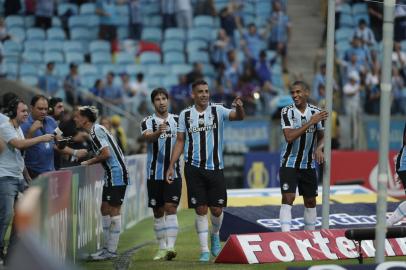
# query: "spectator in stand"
229, 21
233, 69
362, 52
49, 82
72, 84
267, 95
4, 35
105, 122
246, 87
139, 87
118, 132
168, 8
352, 101
196, 73
184, 14
44, 10
205, 7
400, 21
220, 95
106, 9
263, 69
375, 10
399, 57
126, 84
220, 47
56, 111
399, 97
11, 7
352, 65
113, 93
252, 42
372, 91
280, 31
135, 26
365, 33
179, 95
98, 88
221, 78
319, 79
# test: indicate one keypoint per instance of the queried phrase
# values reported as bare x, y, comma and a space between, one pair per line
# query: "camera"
61, 143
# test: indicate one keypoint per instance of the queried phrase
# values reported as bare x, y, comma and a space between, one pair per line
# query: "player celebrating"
302, 126
159, 130
107, 153
200, 137
400, 211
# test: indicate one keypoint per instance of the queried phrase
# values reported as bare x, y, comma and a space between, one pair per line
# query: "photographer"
12, 171
40, 157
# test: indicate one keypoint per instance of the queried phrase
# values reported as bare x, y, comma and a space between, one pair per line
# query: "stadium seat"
200, 33
172, 46
157, 69
74, 57
178, 69
150, 58
11, 57
200, 56
100, 58
343, 34
32, 57
169, 81
62, 69
73, 46
123, 20
106, 68
122, 10
87, 8
153, 81
80, 33
56, 57
209, 71
248, 18
34, 45
402, 44
56, 22
63, 8
174, 58
346, 9
18, 33
89, 80
122, 32
124, 58
11, 69
153, 34
341, 47
196, 45
174, 33
261, 21
28, 70
155, 21
29, 21
151, 8
263, 9
14, 21
29, 80
219, 5
359, 16
346, 20
99, 46
56, 33
133, 70
78, 21
203, 20
53, 45
359, 8
35, 33
88, 69
12, 46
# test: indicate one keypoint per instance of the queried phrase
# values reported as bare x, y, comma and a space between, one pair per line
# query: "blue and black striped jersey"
116, 172
204, 136
401, 160
159, 152
299, 154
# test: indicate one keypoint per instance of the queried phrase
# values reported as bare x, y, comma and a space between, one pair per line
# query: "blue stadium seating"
56, 57
125, 58
178, 69
196, 45
56, 22
87, 8
133, 69
99, 46
203, 20
346, 9
200, 56
28, 70
29, 80
32, 57
12, 46
100, 58
359, 16
78, 21
29, 21
74, 57
35, 33
175, 33
169, 81
34, 45
150, 58
153, 34
14, 21
64, 7
174, 58
72, 46
56, 33
359, 8
343, 33
172, 46
88, 69
346, 20
200, 33
18, 33
80, 33
157, 69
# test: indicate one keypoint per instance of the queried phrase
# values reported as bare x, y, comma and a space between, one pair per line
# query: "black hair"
90, 112
54, 100
301, 84
7, 97
157, 91
11, 110
198, 82
35, 99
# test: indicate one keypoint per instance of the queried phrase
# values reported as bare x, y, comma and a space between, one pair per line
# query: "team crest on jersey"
193, 200
152, 202
200, 121
285, 186
220, 201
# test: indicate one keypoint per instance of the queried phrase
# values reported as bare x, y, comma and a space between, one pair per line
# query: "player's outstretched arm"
239, 112
292, 134
150, 136
176, 152
104, 155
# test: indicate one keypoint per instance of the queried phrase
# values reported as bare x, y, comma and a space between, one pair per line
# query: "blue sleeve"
181, 123
225, 113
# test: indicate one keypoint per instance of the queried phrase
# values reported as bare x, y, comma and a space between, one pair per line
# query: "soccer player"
302, 126
400, 211
159, 130
106, 152
200, 137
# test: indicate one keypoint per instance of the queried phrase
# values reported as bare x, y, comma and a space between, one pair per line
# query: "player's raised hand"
169, 175
237, 102
162, 128
317, 117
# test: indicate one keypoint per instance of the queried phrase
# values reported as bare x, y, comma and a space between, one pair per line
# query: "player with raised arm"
159, 130
200, 138
303, 129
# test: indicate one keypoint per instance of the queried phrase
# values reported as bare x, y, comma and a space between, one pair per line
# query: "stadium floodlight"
369, 233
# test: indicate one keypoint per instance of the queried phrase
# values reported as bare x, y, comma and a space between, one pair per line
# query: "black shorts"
402, 176
114, 195
305, 179
160, 192
205, 187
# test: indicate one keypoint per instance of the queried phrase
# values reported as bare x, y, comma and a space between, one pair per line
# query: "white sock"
160, 231
216, 223
285, 217
172, 228
106, 222
310, 218
398, 215
115, 231
202, 228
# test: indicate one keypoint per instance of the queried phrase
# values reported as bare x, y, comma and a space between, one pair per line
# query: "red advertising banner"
300, 246
362, 166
